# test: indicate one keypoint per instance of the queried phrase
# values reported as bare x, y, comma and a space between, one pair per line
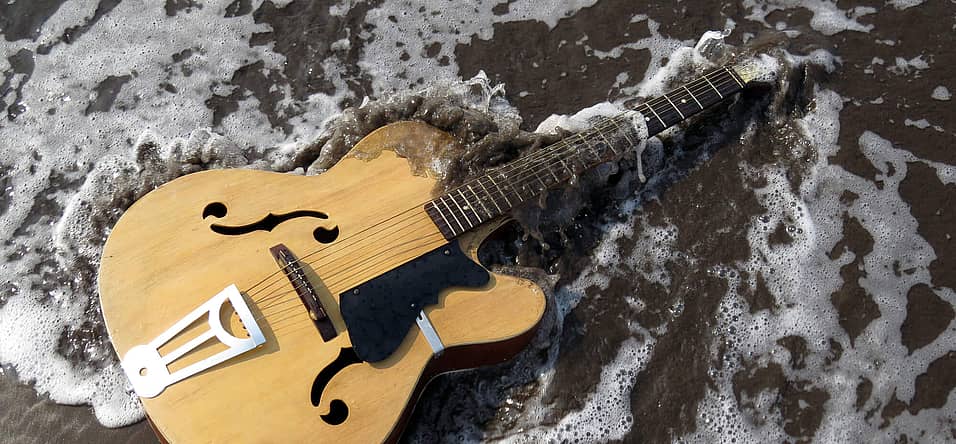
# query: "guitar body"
186, 241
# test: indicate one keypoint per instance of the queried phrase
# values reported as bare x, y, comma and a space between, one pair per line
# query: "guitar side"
164, 258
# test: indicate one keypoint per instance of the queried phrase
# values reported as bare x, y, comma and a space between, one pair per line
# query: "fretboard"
502, 188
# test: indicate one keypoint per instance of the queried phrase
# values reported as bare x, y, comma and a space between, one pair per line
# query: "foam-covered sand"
125, 107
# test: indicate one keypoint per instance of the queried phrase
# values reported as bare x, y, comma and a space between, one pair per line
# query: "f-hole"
215, 209
338, 409
326, 235
268, 223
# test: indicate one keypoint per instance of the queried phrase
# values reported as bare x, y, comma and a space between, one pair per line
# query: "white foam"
827, 18
941, 93
820, 57
903, 66
393, 68
639, 123
82, 164
763, 68
110, 157
905, 4
606, 411
660, 48
801, 276
606, 415
580, 120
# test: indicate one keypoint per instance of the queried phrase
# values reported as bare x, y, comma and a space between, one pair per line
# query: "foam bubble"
606, 415
904, 66
941, 93
440, 28
763, 68
814, 215
827, 18
150, 137
905, 4
78, 160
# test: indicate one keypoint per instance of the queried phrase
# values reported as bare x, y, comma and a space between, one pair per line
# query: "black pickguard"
380, 312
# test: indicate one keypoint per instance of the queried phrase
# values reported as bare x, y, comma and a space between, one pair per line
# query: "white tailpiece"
148, 371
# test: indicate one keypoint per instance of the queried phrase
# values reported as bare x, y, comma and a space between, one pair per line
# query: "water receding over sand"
780, 269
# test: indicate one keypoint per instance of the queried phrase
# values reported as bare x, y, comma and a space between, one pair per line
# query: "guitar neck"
501, 189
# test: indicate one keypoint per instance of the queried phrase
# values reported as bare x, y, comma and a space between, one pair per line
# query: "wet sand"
28, 418
666, 395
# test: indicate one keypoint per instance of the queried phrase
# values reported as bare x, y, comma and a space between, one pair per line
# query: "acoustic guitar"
251, 306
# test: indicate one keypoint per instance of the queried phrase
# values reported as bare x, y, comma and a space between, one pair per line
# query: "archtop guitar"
251, 306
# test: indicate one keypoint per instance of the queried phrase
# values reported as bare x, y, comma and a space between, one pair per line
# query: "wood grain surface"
162, 260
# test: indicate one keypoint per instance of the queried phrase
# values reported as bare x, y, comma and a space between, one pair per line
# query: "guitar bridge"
293, 271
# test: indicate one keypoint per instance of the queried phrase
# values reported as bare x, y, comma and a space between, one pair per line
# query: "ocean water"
778, 269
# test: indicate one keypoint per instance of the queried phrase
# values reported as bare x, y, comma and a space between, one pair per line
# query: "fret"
550, 171
565, 166
584, 163
440, 213
467, 206
534, 171
493, 201
445, 227
667, 111
588, 147
574, 153
685, 103
480, 203
695, 98
584, 153
623, 131
583, 140
648, 106
607, 142
442, 200
500, 190
714, 87
675, 107
511, 185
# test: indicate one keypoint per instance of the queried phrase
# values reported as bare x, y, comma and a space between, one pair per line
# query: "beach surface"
786, 273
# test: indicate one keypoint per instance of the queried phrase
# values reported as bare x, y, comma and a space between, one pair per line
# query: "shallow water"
785, 273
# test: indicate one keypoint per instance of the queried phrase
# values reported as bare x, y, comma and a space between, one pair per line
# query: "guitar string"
703, 83
331, 281
605, 123
566, 147
275, 322
408, 249
395, 254
342, 243
601, 125
321, 249
703, 86
365, 263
